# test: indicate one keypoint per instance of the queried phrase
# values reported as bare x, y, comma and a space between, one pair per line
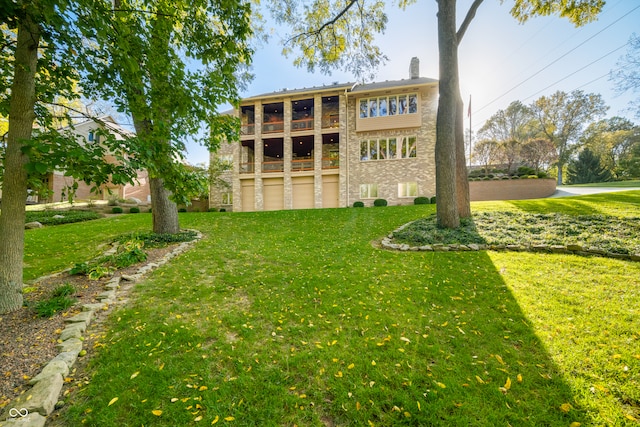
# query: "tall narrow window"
392, 105
413, 104
382, 106
364, 150
364, 109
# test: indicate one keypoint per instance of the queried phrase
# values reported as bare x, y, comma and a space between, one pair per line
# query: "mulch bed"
27, 342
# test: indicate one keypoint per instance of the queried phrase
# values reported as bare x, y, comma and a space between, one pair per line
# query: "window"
91, 136
408, 189
227, 198
392, 148
388, 106
368, 191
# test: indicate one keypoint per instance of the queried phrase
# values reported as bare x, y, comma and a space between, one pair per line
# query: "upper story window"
383, 106
403, 147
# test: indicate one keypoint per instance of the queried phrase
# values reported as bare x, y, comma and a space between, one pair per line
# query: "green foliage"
97, 272
155, 240
117, 210
611, 234
213, 209
134, 209
525, 170
358, 204
46, 217
59, 301
81, 268
587, 169
182, 209
379, 202
421, 201
433, 200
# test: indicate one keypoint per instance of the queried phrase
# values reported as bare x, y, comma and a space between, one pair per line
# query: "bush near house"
379, 202
421, 201
358, 204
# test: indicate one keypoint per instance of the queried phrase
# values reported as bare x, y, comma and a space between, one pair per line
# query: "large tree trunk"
446, 194
560, 173
462, 178
14, 191
165, 212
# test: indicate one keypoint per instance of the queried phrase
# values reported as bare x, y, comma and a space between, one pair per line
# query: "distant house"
330, 146
57, 181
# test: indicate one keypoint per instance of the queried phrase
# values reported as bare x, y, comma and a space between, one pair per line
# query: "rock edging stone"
32, 407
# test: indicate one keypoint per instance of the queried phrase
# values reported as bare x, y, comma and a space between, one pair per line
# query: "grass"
615, 184
59, 300
48, 217
294, 318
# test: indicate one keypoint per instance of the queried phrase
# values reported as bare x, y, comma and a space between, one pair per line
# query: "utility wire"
556, 60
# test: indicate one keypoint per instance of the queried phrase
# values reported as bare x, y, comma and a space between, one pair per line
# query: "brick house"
333, 145
57, 181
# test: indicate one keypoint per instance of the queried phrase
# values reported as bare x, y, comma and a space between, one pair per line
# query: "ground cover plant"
56, 217
296, 318
611, 234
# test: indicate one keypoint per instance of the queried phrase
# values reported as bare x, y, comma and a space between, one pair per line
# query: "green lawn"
295, 318
617, 184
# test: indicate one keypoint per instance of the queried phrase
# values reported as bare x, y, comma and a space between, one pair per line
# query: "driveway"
564, 190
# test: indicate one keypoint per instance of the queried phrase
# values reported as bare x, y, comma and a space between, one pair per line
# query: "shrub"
98, 272
506, 177
515, 177
116, 210
182, 210
542, 175
379, 202
134, 210
80, 268
525, 170
433, 200
223, 210
358, 204
213, 210
421, 201
56, 217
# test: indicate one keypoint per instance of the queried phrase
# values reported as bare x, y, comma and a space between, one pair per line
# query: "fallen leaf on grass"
112, 401
215, 420
156, 412
565, 407
135, 374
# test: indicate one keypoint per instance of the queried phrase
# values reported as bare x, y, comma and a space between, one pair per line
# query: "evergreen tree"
587, 168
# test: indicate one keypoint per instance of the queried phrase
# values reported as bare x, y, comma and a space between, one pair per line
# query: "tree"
627, 73
169, 64
340, 34
587, 169
561, 118
485, 153
612, 140
37, 57
510, 124
538, 153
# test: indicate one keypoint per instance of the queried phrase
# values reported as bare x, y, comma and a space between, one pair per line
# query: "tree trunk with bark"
462, 177
446, 194
14, 191
164, 211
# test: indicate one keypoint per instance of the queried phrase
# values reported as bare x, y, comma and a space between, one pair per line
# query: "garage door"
273, 190
303, 192
330, 191
248, 195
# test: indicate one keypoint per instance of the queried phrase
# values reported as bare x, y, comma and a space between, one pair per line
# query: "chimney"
414, 68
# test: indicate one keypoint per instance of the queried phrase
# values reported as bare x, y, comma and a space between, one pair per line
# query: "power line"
557, 59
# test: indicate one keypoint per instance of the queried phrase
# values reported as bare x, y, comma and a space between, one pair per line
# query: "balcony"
273, 127
302, 124
300, 165
248, 129
273, 166
247, 167
330, 163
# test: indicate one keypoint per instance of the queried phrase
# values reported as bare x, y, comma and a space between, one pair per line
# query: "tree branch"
467, 20
326, 24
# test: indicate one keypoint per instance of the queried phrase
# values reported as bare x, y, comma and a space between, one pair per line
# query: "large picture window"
408, 189
368, 191
383, 106
388, 148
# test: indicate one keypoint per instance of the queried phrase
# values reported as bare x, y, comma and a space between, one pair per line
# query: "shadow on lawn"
581, 205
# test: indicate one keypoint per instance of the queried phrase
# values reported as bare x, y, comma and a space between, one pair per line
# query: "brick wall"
512, 189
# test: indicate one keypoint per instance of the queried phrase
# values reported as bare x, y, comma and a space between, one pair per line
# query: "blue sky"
500, 60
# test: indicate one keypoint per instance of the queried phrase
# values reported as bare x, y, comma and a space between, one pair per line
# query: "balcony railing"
302, 124
329, 163
333, 121
273, 127
247, 167
277, 166
248, 129
301, 165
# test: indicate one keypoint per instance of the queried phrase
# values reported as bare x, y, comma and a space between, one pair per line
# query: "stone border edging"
41, 400
574, 249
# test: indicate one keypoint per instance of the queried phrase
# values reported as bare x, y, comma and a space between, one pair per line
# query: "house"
58, 183
331, 146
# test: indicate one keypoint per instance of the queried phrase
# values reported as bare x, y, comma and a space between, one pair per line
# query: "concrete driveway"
564, 190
